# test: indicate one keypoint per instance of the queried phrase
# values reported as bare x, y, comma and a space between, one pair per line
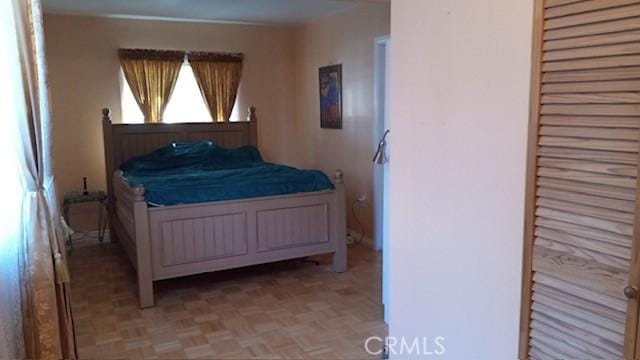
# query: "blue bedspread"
203, 171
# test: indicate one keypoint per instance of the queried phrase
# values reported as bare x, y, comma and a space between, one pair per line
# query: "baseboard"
366, 241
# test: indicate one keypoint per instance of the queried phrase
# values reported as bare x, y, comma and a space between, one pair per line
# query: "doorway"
381, 160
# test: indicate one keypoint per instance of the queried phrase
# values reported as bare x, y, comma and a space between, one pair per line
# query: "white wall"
459, 104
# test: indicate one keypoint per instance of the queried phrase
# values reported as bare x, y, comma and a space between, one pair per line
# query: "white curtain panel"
11, 190
35, 315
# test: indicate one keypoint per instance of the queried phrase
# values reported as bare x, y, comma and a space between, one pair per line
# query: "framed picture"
331, 97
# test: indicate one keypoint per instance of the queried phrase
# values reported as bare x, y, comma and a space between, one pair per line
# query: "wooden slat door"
581, 230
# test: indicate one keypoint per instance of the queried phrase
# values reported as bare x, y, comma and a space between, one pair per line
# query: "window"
185, 105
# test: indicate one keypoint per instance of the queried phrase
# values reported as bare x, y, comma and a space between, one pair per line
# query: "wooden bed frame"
171, 241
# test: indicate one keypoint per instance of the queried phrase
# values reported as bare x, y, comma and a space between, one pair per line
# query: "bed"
166, 236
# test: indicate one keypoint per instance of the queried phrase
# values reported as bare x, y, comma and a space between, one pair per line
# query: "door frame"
535, 98
380, 174
379, 88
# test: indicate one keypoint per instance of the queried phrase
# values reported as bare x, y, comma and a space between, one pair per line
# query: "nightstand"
77, 197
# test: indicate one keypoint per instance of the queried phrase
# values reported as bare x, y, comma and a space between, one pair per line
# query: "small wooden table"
77, 197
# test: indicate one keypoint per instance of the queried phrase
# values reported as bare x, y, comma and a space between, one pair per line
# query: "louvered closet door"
582, 186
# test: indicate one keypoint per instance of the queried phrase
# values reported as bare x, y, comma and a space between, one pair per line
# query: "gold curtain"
218, 76
47, 323
151, 75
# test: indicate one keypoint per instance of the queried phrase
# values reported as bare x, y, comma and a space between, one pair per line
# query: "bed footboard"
178, 240
130, 221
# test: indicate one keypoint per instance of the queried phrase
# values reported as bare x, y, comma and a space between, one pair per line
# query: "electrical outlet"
362, 201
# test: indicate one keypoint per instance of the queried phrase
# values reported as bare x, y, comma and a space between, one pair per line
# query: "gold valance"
215, 56
149, 54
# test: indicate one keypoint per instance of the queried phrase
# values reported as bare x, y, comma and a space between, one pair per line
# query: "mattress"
203, 172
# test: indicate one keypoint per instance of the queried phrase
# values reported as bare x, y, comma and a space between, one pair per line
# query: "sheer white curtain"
11, 191
35, 314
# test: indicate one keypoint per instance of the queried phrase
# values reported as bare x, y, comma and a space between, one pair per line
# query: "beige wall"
348, 39
459, 113
280, 78
84, 78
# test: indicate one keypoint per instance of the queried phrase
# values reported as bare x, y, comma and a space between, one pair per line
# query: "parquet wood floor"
286, 310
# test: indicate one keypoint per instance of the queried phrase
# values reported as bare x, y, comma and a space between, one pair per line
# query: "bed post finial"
253, 126
252, 114
338, 177
106, 114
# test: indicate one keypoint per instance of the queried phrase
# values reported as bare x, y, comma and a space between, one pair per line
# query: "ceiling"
251, 11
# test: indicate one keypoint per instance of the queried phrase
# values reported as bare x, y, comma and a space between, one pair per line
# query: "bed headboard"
124, 141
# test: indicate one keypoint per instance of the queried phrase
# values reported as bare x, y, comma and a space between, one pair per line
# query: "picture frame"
330, 86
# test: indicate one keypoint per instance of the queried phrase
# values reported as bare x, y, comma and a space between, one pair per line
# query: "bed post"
108, 159
253, 126
340, 227
143, 248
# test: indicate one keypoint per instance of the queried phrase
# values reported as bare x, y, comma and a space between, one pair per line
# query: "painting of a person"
331, 97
